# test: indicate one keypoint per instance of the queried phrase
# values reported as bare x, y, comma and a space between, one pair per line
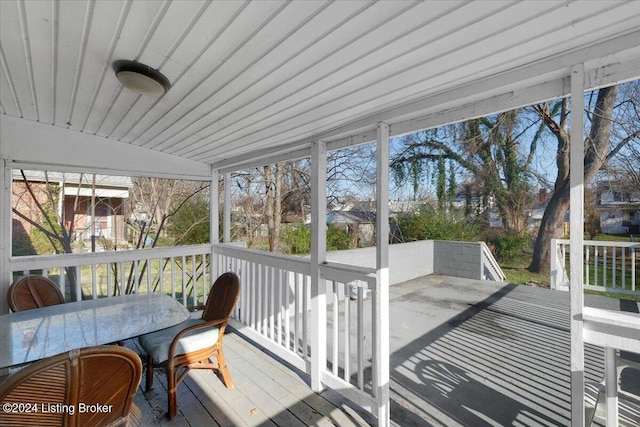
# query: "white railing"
608, 266
181, 271
275, 309
490, 269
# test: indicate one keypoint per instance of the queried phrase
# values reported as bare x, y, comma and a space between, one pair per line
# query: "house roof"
76, 179
353, 216
253, 81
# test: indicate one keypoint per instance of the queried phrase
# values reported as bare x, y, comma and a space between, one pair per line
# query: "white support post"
6, 277
381, 335
214, 223
318, 256
576, 240
227, 208
6, 182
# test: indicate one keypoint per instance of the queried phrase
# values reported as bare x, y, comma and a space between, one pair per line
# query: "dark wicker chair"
30, 292
191, 344
61, 387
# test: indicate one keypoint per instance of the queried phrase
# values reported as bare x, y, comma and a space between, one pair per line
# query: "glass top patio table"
35, 334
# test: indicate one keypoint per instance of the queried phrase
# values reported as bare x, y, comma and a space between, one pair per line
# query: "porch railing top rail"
607, 243
345, 273
37, 262
286, 262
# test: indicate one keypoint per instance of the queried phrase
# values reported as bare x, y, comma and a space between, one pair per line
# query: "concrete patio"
463, 353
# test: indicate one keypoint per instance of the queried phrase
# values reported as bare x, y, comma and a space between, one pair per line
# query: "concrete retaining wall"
459, 259
414, 259
406, 260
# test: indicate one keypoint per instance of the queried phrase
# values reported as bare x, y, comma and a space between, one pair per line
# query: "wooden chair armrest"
193, 328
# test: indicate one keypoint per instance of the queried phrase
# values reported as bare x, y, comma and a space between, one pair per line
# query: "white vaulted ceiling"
253, 78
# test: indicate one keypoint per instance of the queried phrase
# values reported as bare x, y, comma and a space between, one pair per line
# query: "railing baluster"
94, 282
207, 280
243, 293
161, 275
78, 273
614, 267
254, 296
280, 307
122, 282
194, 280
595, 273
259, 269
173, 277
235, 269
624, 273
586, 263
184, 284
272, 301
334, 329
360, 342
633, 268
297, 319
604, 268
347, 332
305, 323
287, 312
136, 266
109, 279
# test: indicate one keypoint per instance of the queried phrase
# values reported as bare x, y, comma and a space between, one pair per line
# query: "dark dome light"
141, 78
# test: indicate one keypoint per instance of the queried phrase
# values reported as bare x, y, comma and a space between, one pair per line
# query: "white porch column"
226, 222
5, 234
576, 219
318, 256
214, 222
381, 303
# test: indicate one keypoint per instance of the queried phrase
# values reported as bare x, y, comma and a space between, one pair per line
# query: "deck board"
266, 393
463, 353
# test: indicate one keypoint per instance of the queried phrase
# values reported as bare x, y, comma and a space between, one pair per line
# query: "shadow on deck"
471, 353
463, 353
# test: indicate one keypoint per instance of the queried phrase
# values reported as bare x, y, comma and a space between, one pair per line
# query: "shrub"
297, 238
21, 245
337, 239
429, 224
510, 245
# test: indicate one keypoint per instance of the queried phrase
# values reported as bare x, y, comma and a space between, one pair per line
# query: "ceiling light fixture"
141, 78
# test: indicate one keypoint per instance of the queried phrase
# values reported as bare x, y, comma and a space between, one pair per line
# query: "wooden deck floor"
266, 393
463, 353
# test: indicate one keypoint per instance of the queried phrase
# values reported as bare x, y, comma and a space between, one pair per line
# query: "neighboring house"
359, 224
619, 207
111, 194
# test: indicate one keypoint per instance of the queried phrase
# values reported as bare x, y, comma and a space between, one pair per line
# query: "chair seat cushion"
156, 344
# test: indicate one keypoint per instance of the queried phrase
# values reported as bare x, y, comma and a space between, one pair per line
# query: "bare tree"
493, 149
611, 127
41, 205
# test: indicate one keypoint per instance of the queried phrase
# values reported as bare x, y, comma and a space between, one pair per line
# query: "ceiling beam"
31, 144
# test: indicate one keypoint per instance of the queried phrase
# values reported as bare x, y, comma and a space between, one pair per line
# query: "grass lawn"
516, 271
